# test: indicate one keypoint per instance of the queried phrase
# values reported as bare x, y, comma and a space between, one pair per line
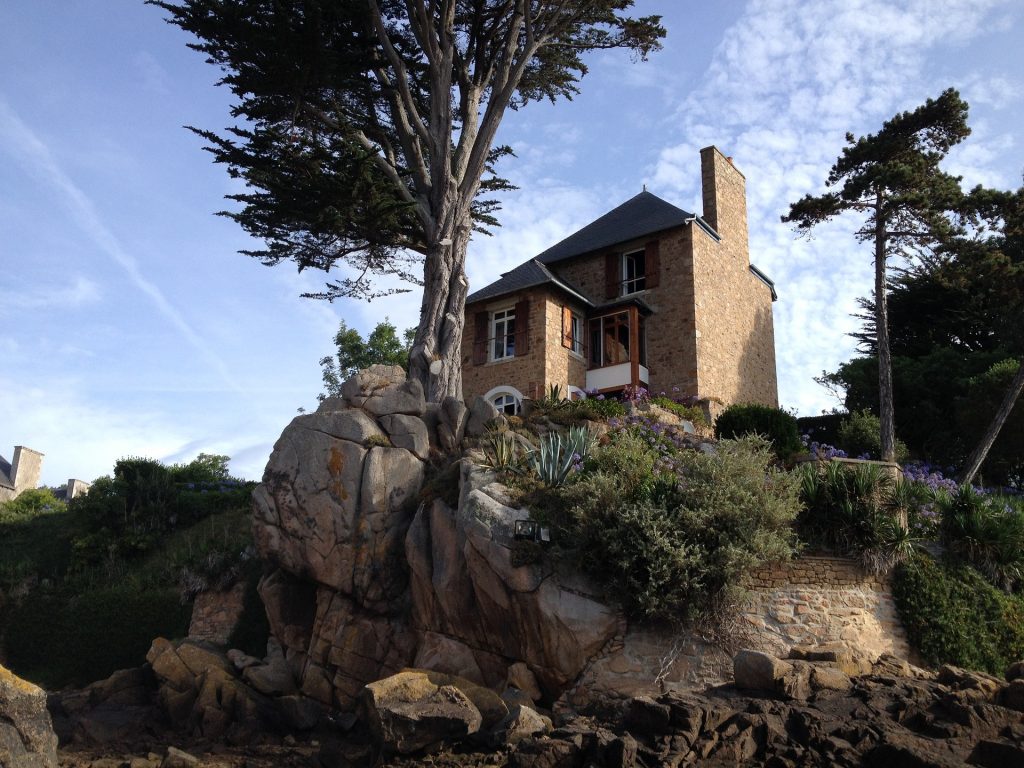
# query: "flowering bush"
670, 530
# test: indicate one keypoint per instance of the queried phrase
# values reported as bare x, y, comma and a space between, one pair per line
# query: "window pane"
595, 343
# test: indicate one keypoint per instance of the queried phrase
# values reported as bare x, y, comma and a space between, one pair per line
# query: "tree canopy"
368, 129
382, 346
893, 179
956, 324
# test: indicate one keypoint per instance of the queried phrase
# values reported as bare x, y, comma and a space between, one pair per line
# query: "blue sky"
130, 325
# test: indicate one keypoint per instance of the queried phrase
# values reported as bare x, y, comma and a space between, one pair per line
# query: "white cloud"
786, 83
80, 291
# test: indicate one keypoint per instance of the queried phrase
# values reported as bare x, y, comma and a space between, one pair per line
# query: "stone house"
22, 474
647, 295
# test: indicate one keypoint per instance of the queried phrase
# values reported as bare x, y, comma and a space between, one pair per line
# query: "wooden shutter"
612, 275
482, 322
566, 327
522, 327
652, 263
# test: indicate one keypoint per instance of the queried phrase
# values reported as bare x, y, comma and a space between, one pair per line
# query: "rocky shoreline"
822, 706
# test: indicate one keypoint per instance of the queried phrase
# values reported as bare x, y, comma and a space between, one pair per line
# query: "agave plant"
501, 452
558, 453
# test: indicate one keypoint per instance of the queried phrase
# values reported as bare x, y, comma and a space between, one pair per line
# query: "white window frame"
505, 391
577, 333
636, 283
502, 317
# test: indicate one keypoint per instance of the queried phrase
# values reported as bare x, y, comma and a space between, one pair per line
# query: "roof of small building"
641, 215
527, 275
5, 473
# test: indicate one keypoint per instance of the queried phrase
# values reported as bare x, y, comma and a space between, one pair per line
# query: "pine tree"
893, 179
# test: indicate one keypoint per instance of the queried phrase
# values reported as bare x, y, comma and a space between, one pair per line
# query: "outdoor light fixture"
527, 529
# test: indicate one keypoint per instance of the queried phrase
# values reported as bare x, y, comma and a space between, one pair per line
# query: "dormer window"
634, 272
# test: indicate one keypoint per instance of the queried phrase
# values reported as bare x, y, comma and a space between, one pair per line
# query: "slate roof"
527, 275
5, 473
641, 215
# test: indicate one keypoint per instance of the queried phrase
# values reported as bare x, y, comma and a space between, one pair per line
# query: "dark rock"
26, 731
997, 754
644, 715
1015, 671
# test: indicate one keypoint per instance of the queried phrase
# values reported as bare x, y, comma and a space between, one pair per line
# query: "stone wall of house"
562, 366
735, 332
810, 601
671, 349
524, 372
547, 362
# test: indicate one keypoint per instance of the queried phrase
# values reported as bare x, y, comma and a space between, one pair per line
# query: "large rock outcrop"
371, 579
27, 739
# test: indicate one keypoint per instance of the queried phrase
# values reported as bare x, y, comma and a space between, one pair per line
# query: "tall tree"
371, 128
998, 257
893, 179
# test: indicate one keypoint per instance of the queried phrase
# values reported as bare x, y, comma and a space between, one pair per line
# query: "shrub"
30, 503
692, 413
60, 639
860, 435
985, 533
775, 424
860, 510
669, 543
952, 615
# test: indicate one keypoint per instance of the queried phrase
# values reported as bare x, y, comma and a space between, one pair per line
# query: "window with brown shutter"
566, 327
653, 259
482, 325
522, 327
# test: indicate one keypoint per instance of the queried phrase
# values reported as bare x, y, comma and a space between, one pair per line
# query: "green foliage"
860, 510
353, 185
558, 453
859, 435
691, 413
59, 638
381, 347
986, 533
206, 468
775, 424
502, 451
30, 503
669, 543
952, 615
591, 409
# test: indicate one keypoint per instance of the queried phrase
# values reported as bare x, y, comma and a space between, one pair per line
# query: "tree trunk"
436, 357
886, 415
977, 457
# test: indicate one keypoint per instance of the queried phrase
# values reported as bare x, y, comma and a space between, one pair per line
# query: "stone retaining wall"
812, 600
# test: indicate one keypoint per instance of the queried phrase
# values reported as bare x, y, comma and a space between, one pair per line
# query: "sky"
131, 326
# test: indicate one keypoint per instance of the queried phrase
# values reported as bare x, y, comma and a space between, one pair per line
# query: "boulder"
1015, 671
407, 432
371, 381
763, 672
273, 677
300, 713
178, 758
522, 722
451, 423
520, 676
481, 414
27, 739
406, 398
841, 657
407, 713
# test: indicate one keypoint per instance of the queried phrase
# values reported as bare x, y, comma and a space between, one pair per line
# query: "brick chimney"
725, 199
26, 467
